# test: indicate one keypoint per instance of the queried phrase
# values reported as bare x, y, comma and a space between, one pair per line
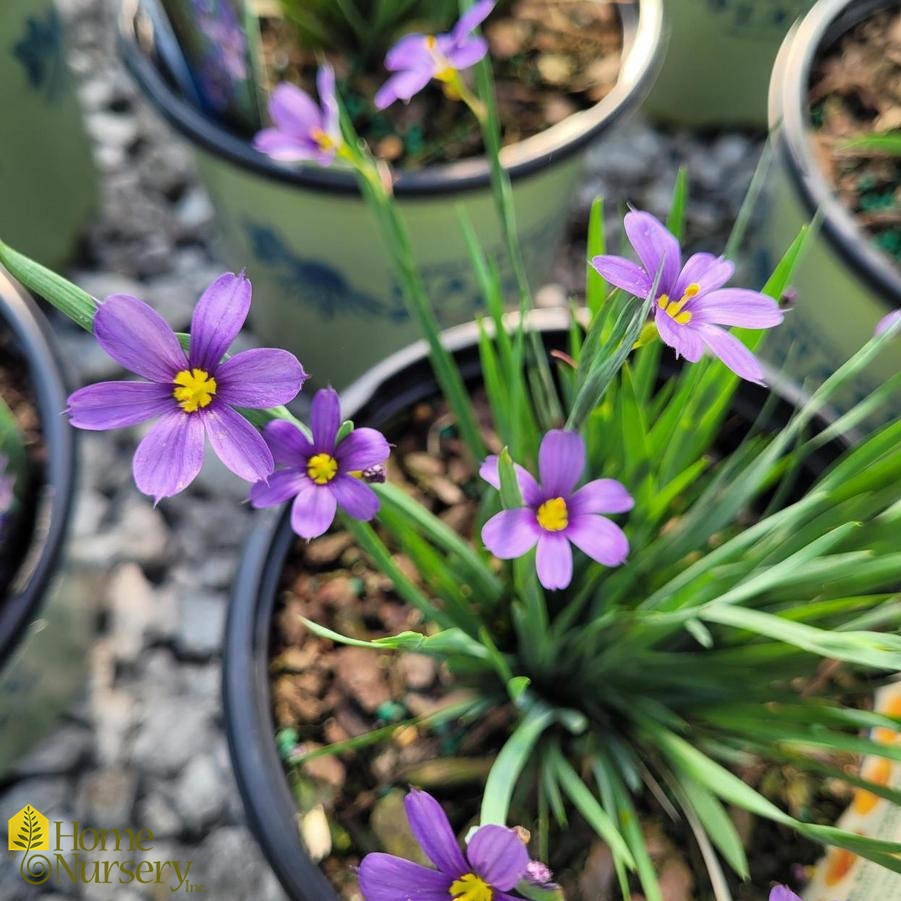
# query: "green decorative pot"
323, 286
46, 613
718, 58
844, 284
48, 187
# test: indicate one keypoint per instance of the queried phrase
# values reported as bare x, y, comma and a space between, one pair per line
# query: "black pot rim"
642, 34
826, 22
380, 393
27, 323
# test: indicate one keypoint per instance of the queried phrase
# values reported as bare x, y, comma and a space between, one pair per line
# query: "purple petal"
683, 339
600, 496
325, 419
561, 459
467, 53
237, 443
783, 893
325, 85
313, 510
432, 829
654, 245
384, 877
282, 147
704, 270
170, 455
511, 533
623, 274
293, 111
736, 306
263, 377
554, 560
218, 317
138, 338
887, 322
498, 855
114, 405
531, 493
361, 449
472, 18
281, 486
289, 446
356, 498
732, 352
402, 86
410, 52
601, 539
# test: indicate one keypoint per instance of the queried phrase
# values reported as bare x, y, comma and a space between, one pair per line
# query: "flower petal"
325, 85
410, 52
887, 322
289, 446
655, 247
384, 877
114, 405
511, 533
601, 539
281, 486
498, 855
561, 459
704, 270
531, 493
262, 377
293, 111
402, 86
325, 419
732, 352
138, 338
467, 53
217, 319
170, 455
283, 147
683, 339
355, 497
432, 830
600, 496
554, 560
362, 448
237, 443
623, 274
783, 893
313, 510
472, 18
737, 306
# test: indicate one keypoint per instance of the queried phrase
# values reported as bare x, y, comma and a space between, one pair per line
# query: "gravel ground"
144, 745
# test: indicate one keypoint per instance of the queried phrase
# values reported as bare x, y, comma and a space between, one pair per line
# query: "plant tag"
842, 875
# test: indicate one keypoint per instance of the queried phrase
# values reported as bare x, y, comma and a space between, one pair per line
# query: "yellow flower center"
322, 468
673, 308
322, 139
552, 515
194, 389
444, 71
471, 888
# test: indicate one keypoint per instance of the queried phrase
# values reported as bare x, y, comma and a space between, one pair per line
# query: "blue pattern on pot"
40, 51
757, 17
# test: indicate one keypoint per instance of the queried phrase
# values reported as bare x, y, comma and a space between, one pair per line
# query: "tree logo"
29, 830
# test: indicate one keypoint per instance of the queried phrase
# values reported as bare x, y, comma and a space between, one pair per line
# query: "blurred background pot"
48, 187
844, 284
46, 614
322, 284
717, 62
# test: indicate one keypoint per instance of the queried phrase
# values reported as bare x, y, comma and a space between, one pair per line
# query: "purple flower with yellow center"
303, 130
783, 893
418, 58
324, 473
555, 514
691, 303
888, 322
494, 862
193, 393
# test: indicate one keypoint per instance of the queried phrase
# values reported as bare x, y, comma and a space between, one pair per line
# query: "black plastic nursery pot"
323, 286
378, 398
45, 619
844, 284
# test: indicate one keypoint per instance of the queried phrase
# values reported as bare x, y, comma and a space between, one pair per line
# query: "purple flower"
888, 322
418, 58
192, 393
783, 893
323, 474
555, 514
691, 300
303, 130
495, 861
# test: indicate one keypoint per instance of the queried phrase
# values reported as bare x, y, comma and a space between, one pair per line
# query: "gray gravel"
144, 746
